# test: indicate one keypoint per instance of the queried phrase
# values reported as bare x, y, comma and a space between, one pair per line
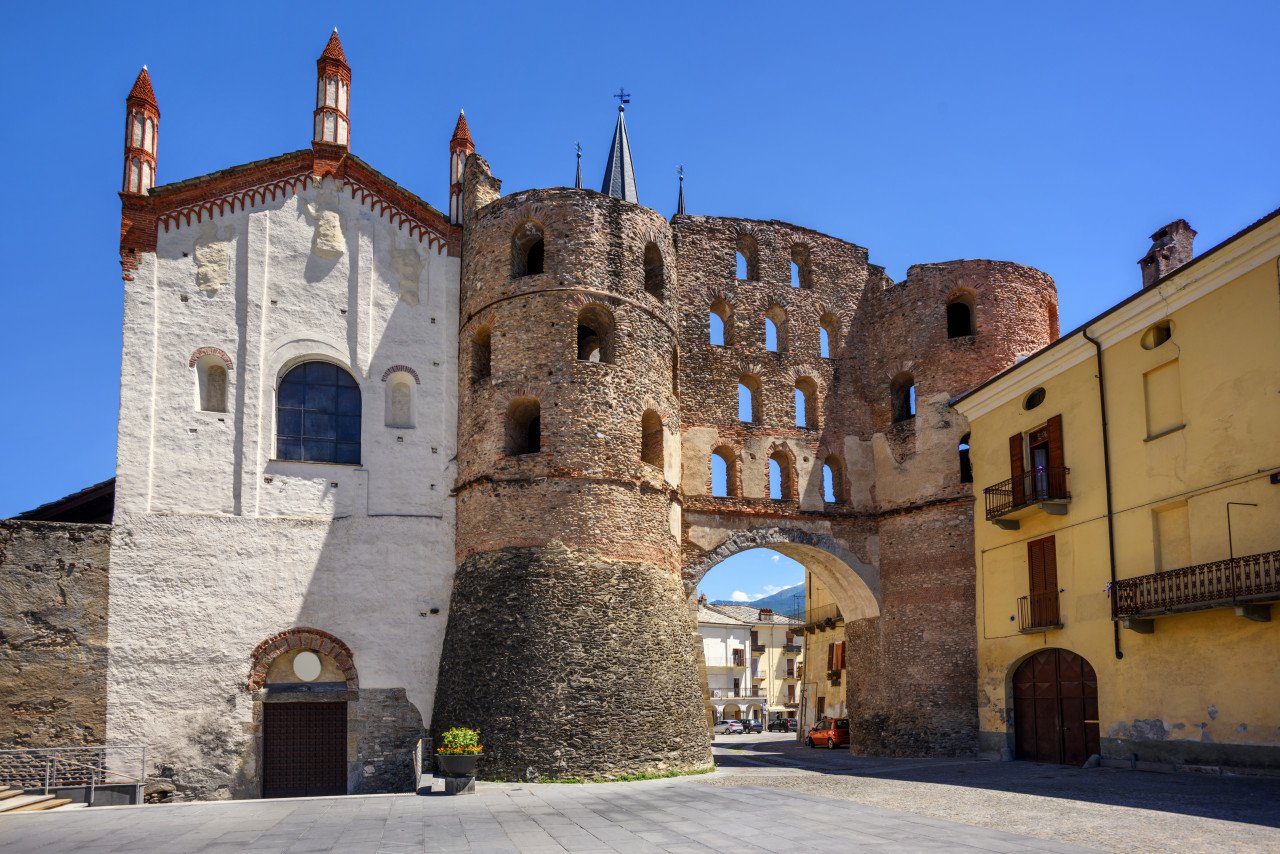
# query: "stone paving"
770, 795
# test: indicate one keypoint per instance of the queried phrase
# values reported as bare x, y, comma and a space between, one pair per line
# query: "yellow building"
1128, 524
822, 688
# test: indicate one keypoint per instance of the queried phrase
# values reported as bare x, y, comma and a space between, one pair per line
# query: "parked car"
752, 726
829, 733
782, 725
726, 727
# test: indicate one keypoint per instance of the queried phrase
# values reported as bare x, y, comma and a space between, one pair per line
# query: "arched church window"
318, 415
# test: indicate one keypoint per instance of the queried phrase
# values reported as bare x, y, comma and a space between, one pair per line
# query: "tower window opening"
749, 399
833, 487
781, 476
651, 441
770, 335
748, 259
481, 354
724, 472
806, 402
527, 250
960, 316
654, 273
720, 319
966, 468
775, 329
595, 334
524, 426
828, 334
902, 392
801, 275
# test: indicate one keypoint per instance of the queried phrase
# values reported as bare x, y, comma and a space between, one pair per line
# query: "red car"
829, 733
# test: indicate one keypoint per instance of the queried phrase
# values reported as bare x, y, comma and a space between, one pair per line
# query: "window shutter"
1057, 459
831, 656
1016, 470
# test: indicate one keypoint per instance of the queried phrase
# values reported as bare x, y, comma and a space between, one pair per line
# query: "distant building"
1128, 528
753, 659
823, 686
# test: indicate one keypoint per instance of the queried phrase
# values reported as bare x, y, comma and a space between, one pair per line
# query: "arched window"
721, 322
828, 334
399, 403
748, 260
806, 402
749, 399
318, 415
966, 469
211, 381
960, 316
654, 276
481, 354
902, 392
651, 438
527, 250
800, 268
524, 426
833, 480
595, 334
775, 329
724, 472
782, 476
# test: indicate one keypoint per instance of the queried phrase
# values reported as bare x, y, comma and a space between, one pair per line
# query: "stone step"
18, 803
7, 793
51, 804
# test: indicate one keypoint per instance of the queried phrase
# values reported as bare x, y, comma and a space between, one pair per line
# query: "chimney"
766, 614
1170, 249
702, 600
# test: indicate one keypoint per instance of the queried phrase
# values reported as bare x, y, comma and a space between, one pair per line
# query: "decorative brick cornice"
301, 637
403, 369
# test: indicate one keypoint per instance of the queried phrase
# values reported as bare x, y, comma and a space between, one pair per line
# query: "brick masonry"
53, 633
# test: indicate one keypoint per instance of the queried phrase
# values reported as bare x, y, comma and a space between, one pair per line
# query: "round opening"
1034, 399
1157, 335
306, 666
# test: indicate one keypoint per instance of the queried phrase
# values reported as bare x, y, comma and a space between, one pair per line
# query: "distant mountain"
788, 601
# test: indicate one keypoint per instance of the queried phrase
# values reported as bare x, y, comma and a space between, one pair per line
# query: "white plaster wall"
216, 546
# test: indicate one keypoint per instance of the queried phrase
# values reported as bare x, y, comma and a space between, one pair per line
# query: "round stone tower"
569, 643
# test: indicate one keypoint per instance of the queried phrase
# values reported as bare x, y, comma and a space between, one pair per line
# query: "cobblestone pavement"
770, 795
1106, 808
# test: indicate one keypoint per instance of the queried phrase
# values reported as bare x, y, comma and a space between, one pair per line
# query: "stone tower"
568, 621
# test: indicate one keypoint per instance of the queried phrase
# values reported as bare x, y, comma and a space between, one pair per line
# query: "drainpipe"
1106, 471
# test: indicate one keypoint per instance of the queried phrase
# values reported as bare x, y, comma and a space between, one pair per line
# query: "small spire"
619, 172
142, 90
462, 133
577, 181
333, 50
680, 198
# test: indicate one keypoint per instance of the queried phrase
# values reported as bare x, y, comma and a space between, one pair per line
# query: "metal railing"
1039, 611
757, 649
815, 617
1222, 582
791, 647
1039, 484
48, 768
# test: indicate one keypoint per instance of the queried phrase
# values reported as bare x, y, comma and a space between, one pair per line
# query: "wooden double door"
304, 749
1055, 708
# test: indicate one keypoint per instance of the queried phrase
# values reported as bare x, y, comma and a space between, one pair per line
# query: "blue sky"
750, 575
1059, 136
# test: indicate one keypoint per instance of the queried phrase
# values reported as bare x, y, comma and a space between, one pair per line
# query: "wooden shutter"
831, 656
1042, 571
1057, 459
1016, 470
840, 656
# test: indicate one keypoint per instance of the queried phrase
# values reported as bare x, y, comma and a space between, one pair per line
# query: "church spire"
460, 145
333, 88
619, 173
142, 122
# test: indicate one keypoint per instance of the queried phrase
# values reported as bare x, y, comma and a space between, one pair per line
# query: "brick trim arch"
301, 637
209, 351
401, 369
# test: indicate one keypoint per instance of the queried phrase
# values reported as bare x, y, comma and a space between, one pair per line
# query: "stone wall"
53, 634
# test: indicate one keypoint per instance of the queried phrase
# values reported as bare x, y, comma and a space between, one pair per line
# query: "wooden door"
1055, 708
304, 749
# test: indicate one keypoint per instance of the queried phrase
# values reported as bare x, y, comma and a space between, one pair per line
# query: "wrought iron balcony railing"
757, 649
1239, 580
1039, 611
791, 647
1038, 486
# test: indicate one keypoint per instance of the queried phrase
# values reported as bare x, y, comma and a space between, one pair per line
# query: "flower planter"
458, 764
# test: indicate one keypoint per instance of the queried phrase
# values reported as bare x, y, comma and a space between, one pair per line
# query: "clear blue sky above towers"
1057, 136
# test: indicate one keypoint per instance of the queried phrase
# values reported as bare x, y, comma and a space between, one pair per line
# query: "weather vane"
623, 96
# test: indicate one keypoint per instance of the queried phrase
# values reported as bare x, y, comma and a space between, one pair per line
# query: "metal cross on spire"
680, 198
577, 181
623, 96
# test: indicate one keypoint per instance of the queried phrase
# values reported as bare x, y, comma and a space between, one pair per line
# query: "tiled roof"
142, 88
333, 50
462, 133
749, 614
93, 505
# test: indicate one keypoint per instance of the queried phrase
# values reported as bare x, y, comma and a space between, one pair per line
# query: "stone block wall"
53, 634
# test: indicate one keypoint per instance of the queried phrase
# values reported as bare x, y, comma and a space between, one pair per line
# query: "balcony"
822, 617
757, 649
1039, 489
1038, 612
1247, 583
792, 647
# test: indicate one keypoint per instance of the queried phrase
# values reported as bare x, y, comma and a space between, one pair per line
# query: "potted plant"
459, 751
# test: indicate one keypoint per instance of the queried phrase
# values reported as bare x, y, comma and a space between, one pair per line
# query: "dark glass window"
318, 415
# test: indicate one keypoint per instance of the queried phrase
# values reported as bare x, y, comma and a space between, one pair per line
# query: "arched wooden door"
1055, 708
